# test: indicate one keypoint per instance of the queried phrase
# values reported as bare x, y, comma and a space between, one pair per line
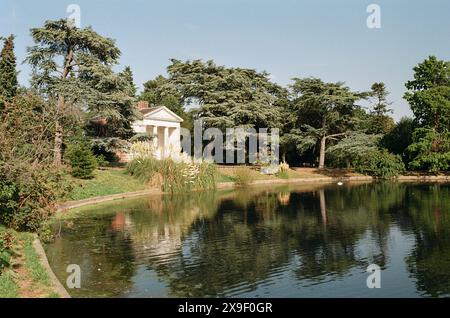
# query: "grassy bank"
105, 182
230, 174
117, 180
26, 277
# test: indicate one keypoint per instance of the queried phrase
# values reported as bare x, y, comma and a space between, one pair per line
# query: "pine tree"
87, 59
8, 73
380, 122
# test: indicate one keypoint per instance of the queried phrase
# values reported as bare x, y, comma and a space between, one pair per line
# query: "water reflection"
286, 242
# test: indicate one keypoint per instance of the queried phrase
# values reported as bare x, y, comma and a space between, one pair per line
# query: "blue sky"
287, 38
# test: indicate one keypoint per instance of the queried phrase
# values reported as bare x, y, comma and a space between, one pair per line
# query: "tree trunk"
57, 156
323, 142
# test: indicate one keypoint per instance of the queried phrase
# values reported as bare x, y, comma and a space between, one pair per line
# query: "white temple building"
161, 123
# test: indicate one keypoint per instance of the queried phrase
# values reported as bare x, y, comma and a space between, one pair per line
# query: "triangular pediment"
163, 114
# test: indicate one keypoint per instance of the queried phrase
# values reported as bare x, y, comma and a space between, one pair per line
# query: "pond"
300, 241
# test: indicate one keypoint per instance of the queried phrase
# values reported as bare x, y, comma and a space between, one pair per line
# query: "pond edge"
57, 286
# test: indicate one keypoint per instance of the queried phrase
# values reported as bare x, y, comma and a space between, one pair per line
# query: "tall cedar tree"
380, 121
161, 92
84, 55
8, 73
228, 97
321, 112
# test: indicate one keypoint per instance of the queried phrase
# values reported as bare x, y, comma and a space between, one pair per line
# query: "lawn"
105, 182
228, 174
26, 277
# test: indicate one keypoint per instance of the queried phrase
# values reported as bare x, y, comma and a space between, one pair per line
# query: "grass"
8, 287
105, 182
228, 174
26, 277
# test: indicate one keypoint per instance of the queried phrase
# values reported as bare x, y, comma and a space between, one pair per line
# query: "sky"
328, 39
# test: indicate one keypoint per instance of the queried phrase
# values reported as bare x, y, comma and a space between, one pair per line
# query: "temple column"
166, 142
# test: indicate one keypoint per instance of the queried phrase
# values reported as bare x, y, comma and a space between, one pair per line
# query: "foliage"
429, 93
6, 244
172, 176
227, 97
29, 186
320, 112
381, 164
430, 150
72, 68
379, 121
399, 138
347, 152
360, 151
8, 73
161, 92
81, 158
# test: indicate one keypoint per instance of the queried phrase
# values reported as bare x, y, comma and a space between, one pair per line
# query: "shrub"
381, 164
101, 161
6, 244
29, 184
174, 177
29, 195
82, 160
242, 176
430, 150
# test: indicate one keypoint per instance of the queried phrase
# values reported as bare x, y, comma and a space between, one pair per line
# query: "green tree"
227, 97
380, 121
399, 138
8, 73
429, 94
65, 60
430, 150
321, 112
161, 92
429, 97
82, 160
112, 111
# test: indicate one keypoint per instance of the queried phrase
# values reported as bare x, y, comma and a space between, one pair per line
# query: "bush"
82, 160
29, 185
28, 195
381, 164
430, 150
174, 177
6, 244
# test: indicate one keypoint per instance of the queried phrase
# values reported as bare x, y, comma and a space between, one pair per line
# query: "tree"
380, 121
83, 52
430, 150
112, 111
8, 73
321, 112
82, 160
227, 97
429, 97
29, 187
429, 94
161, 92
399, 138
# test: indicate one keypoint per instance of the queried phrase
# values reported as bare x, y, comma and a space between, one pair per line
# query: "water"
303, 241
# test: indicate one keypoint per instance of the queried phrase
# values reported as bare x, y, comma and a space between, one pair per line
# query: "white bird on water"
340, 183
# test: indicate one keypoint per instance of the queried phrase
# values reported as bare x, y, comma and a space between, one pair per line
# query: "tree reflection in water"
232, 242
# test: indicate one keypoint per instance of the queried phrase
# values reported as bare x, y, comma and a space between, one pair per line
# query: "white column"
156, 141
166, 141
